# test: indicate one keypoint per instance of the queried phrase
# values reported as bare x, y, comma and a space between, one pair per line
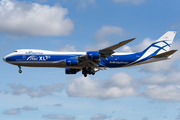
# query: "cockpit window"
15, 51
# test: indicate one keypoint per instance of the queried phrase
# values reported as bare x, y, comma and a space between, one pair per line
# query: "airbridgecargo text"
38, 58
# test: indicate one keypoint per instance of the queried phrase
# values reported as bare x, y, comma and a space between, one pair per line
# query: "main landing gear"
89, 71
20, 71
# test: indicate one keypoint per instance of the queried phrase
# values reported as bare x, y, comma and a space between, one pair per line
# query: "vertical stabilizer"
161, 45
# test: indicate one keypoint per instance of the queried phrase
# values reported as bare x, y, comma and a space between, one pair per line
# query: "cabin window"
15, 51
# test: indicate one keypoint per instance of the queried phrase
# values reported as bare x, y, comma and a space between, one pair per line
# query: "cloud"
59, 116
12, 112
98, 46
119, 118
20, 18
144, 118
112, 88
18, 110
83, 4
107, 31
168, 93
138, 48
99, 117
67, 48
41, 1
169, 77
104, 36
130, 1
57, 105
27, 108
160, 87
40, 91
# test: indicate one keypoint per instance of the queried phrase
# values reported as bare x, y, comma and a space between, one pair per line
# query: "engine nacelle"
71, 71
92, 55
71, 62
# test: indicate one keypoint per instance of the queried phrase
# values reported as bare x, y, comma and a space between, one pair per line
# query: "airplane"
92, 61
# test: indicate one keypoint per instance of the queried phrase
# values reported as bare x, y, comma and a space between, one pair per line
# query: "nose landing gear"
20, 71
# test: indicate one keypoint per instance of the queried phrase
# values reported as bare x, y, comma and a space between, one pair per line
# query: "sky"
145, 92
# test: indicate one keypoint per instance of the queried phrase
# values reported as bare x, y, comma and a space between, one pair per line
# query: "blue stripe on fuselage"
114, 61
120, 60
38, 58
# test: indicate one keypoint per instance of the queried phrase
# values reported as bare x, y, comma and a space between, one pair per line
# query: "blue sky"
146, 92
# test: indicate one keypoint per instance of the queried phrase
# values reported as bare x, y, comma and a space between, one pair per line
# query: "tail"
159, 50
161, 45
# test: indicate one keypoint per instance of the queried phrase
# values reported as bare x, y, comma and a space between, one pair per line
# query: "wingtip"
132, 39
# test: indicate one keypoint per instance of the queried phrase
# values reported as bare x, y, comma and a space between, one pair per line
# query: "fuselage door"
24, 57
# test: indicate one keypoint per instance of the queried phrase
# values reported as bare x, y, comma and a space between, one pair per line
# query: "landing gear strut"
20, 71
84, 71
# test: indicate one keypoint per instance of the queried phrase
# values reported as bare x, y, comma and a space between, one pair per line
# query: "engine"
92, 55
71, 62
71, 71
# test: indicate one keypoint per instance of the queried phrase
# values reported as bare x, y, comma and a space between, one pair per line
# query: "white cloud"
99, 117
169, 77
126, 49
143, 45
108, 89
104, 37
98, 46
117, 81
131, 1
106, 31
19, 18
169, 93
59, 116
40, 91
138, 48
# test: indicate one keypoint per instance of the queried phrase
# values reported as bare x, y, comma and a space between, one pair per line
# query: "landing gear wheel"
84, 71
20, 71
85, 75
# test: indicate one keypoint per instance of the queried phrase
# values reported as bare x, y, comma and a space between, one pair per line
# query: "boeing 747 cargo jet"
92, 61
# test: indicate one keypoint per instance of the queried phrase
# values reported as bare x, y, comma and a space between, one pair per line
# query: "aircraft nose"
4, 59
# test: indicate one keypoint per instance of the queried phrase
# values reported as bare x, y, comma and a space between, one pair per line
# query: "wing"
110, 50
103, 53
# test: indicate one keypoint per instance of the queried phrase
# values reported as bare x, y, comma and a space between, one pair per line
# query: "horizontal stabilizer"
165, 54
